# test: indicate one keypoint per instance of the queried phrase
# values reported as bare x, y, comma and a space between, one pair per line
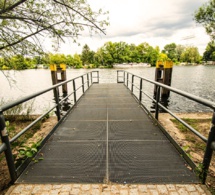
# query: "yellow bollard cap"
63, 66
168, 64
53, 67
158, 63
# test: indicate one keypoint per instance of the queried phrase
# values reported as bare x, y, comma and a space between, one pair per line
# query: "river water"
198, 80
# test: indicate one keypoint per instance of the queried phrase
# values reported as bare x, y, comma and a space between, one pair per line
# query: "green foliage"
57, 59
162, 57
205, 16
170, 51
179, 50
24, 24
69, 60
209, 54
111, 53
87, 56
28, 151
77, 63
191, 55
121, 52
199, 170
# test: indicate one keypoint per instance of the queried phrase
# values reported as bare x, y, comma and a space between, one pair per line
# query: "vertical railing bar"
98, 76
74, 89
88, 84
8, 151
140, 94
82, 78
209, 150
132, 84
117, 76
157, 101
56, 95
91, 74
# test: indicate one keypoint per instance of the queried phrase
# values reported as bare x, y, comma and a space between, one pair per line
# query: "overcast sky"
157, 22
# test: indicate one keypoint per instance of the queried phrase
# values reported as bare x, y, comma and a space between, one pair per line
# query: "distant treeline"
113, 53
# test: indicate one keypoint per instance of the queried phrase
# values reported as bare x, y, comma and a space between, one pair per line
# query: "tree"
17, 62
24, 23
57, 59
87, 56
105, 54
69, 60
162, 57
77, 63
205, 16
191, 55
170, 50
179, 50
209, 53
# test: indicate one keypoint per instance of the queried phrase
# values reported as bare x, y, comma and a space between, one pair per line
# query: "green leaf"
29, 154
34, 150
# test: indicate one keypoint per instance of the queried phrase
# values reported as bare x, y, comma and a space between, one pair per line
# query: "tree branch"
18, 18
12, 6
80, 15
24, 38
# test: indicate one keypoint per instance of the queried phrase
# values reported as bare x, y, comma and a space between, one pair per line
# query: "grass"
194, 145
195, 123
197, 143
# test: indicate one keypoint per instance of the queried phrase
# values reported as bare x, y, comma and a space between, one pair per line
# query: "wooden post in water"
163, 74
54, 74
62, 71
55, 71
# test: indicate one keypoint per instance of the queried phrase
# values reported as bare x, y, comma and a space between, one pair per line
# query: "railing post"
209, 150
132, 84
140, 94
123, 76
117, 76
56, 95
91, 74
82, 78
98, 76
74, 91
88, 82
8, 151
157, 101
127, 79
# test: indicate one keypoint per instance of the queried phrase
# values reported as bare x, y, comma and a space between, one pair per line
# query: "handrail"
26, 98
128, 78
6, 143
180, 92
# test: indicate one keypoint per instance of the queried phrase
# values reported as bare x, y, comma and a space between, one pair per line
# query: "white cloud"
154, 21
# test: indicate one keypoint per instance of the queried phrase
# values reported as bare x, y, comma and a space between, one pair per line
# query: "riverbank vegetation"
191, 144
18, 118
108, 55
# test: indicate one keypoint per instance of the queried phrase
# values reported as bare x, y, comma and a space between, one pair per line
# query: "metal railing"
128, 80
86, 81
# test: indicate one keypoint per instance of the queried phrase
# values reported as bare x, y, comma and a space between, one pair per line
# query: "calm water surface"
198, 80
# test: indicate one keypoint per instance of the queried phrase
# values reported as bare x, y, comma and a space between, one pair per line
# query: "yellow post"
62, 70
163, 74
53, 69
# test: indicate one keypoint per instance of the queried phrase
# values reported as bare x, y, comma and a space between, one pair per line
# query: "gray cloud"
180, 16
